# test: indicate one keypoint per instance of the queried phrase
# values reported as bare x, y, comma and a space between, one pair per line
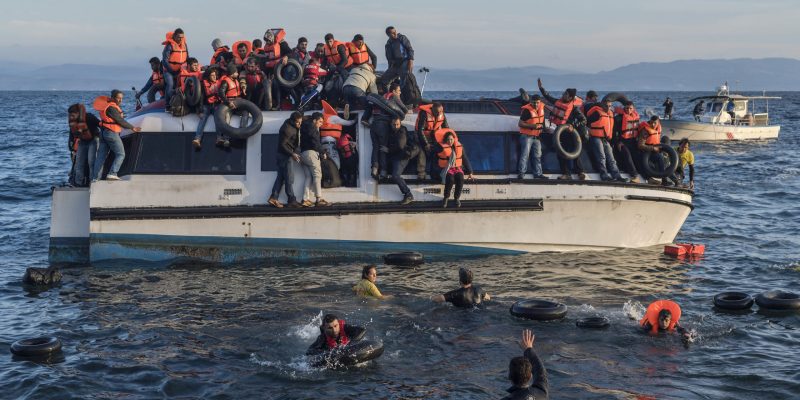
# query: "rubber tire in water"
576, 139
778, 300
284, 81
193, 94
380, 102
407, 258
668, 170
36, 347
540, 310
593, 322
223, 114
356, 352
733, 301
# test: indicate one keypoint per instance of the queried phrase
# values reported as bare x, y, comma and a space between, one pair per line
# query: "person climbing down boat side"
430, 119
229, 90
467, 296
155, 84
527, 373
84, 137
564, 110
453, 164
210, 93
685, 157
112, 121
334, 333
663, 316
531, 123
649, 140
401, 148
173, 58
366, 286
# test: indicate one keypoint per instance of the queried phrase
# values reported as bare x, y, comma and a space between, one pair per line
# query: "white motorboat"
175, 202
718, 124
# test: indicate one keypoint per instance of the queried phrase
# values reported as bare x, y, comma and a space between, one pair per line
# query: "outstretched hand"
539, 82
527, 339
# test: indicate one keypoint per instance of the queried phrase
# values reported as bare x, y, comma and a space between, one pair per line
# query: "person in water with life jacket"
467, 296
527, 373
663, 316
335, 333
366, 286
155, 84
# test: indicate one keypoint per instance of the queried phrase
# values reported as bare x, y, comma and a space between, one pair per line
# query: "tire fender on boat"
540, 310
576, 140
384, 105
407, 258
669, 168
778, 300
286, 82
193, 93
733, 301
36, 347
223, 115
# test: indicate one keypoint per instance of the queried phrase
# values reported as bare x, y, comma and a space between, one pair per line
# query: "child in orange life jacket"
663, 316
349, 159
335, 333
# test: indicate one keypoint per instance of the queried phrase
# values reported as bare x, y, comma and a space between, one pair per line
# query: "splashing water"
634, 310
309, 330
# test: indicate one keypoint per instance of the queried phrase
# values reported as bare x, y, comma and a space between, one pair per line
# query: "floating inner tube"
733, 301
384, 105
36, 347
352, 354
253, 114
289, 75
193, 92
593, 322
407, 258
669, 167
577, 145
540, 310
778, 300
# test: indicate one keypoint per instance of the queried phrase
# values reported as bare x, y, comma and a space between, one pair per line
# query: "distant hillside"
772, 74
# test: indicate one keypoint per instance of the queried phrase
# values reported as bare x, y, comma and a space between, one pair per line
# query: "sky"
585, 36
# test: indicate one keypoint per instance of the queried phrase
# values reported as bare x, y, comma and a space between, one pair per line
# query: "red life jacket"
653, 134
185, 74
328, 128
332, 54
654, 308
211, 90
102, 104
312, 73
343, 340
158, 79
432, 124
217, 53
79, 128
233, 87
253, 79
344, 145
603, 127
358, 55
537, 117
629, 125
560, 112
273, 51
177, 58
236, 58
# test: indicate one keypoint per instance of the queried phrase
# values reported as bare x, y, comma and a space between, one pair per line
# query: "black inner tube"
356, 352
559, 140
593, 322
406, 258
193, 92
289, 75
39, 346
541, 310
615, 96
253, 114
778, 300
669, 165
733, 301
384, 105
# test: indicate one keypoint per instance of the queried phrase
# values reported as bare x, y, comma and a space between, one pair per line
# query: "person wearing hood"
600, 120
566, 109
333, 333
527, 373
219, 50
155, 84
276, 51
173, 59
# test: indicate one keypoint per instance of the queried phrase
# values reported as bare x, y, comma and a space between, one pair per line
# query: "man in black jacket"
402, 148
399, 55
522, 369
288, 159
335, 333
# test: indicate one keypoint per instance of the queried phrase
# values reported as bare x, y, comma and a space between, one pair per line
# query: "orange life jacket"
327, 128
343, 340
79, 128
158, 78
358, 55
653, 134
233, 87
629, 126
217, 52
211, 91
101, 104
332, 54
537, 117
604, 126
177, 58
447, 150
654, 308
432, 124
185, 74
273, 51
236, 58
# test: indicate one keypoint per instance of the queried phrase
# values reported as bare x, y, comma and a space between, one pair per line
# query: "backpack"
177, 104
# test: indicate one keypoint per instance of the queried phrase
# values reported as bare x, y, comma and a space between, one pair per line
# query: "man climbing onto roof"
399, 55
155, 84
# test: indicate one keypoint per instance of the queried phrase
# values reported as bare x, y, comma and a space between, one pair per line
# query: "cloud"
167, 20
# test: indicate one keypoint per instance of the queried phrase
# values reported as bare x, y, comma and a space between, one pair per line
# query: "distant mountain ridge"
773, 74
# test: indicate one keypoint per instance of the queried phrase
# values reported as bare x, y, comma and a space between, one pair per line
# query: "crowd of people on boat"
255, 70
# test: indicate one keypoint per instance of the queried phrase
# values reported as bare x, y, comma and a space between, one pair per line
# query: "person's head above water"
664, 318
370, 273
330, 325
465, 276
520, 371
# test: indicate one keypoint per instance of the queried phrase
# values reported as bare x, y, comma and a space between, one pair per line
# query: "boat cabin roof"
734, 97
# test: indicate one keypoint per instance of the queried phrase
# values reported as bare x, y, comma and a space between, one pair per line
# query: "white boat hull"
708, 132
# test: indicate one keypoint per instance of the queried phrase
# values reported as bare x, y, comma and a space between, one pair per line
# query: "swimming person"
366, 286
335, 333
663, 316
527, 373
468, 295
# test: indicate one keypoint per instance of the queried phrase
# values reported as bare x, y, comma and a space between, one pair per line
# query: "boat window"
715, 107
470, 107
269, 152
486, 151
172, 153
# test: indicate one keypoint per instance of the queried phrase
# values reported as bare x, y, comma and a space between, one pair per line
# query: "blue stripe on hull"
226, 250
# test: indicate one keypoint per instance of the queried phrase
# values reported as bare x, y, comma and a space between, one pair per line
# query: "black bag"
177, 104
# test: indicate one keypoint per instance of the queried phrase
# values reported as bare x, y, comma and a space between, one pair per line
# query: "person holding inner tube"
334, 333
626, 130
311, 156
366, 286
173, 58
600, 119
531, 123
527, 373
563, 110
192, 70
155, 84
401, 148
430, 118
276, 51
229, 89
649, 141
663, 316
112, 120
467, 296
210, 91
453, 163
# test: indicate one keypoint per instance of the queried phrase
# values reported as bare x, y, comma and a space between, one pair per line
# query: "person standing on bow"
531, 123
173, 59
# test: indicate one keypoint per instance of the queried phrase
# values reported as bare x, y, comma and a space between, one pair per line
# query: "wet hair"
366, 269
317, 115
389, 29
654, 118
177, 31
328, 36
257, 43
683, 141
241, 45
328, 318
520, 371
358, 36
393, 86
154, 60
464, 274
664, 314
115, 92
191, 60
296, 115
302, 39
